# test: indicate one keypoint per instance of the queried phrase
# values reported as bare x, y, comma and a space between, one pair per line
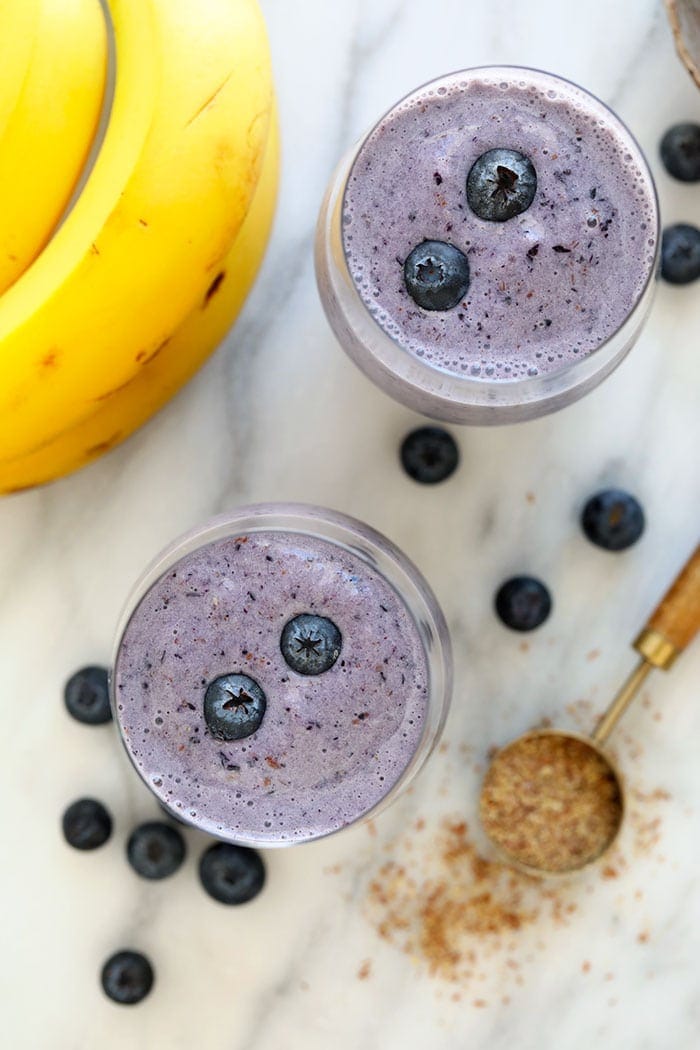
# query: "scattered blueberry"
231, 874
310, 644
155, 850
234, 705
86, 824
680, 152
523, 603
429, 455
436, 275
86, 695
612, 519
680, 253
501, 184
127, 977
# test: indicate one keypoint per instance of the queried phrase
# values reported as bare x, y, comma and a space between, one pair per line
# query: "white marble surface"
280, 413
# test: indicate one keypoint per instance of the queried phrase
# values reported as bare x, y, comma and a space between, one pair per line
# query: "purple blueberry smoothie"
547, 288
332, 745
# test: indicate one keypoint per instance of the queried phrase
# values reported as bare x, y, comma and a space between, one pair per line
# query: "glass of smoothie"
487, 253
280, 673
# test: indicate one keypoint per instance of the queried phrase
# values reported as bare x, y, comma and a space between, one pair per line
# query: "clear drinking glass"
405, 182
334, 747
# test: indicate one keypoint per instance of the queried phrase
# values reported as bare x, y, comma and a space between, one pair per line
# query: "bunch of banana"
113, 294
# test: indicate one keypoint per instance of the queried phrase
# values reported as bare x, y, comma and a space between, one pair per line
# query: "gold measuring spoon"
552, 801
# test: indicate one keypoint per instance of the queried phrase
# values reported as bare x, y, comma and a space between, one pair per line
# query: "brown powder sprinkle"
466, 902
551, 802
471, 921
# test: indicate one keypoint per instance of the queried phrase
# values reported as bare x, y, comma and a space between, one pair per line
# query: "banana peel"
151, 266
169, 367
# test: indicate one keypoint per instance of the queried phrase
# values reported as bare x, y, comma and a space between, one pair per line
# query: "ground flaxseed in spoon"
550, 802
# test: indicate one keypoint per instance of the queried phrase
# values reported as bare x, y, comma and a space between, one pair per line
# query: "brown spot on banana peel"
103, 446
212, 98
256, 136
142, 358
50, 360
229, 231
214, 287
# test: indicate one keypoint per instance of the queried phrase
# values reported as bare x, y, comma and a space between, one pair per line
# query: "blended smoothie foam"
330, 746
548, 286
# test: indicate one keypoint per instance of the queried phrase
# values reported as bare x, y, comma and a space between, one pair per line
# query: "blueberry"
612, 519
501, 184
234, 705
86, 824
155, 850
680, 253
231, 874
523, 603
436, 275
127, 977
310, 644
680, 152
429, 455
86, 695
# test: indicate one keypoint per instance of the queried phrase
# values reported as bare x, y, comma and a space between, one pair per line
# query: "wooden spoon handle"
676, 619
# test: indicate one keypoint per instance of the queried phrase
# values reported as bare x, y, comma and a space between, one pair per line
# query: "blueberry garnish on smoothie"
436, 275
234, 706
310, 644
501, 184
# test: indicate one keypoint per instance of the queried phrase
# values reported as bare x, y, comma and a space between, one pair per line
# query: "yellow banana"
162, 206
18, 25
121, 412
48, 136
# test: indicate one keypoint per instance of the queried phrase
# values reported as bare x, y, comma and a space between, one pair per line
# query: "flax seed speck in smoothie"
272, 685
499, 226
